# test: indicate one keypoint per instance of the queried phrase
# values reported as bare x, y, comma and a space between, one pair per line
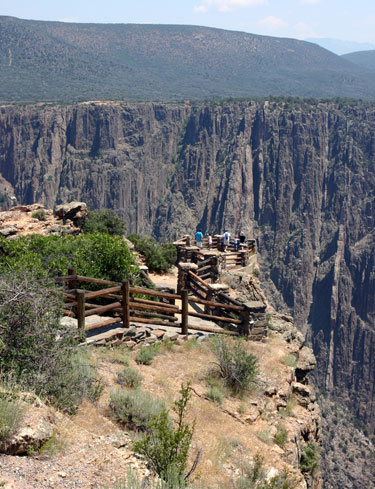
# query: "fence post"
125, 304
72, 284
81, 298
245, 325
184, 312
244, 258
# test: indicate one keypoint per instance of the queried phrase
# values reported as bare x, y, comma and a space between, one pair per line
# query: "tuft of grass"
53, 446
281, 436
288, 410
290, 360
119, 356
135, 409
146, 354
264, 436
129, 377
11, 414
215, 394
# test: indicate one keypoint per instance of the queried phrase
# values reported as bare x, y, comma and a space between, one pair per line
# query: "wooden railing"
144, 305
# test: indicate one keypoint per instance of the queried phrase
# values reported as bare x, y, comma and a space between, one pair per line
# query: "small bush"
129, 378
104, 221
40, 214
146, 354
310, 458
253, 476
11, 413
216, 395
264, 436
281, 436
165, 446
135, 409
238, 368
36, 350
158, 258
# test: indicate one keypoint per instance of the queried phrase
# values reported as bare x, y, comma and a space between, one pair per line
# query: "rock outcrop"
35, 219
298, 176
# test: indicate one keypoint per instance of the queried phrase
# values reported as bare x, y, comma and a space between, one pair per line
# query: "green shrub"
104, 221
238, 368
129, 378
40, 214
135, 408
146, 354
215, 394
158, 258
253, 476
166, 447
281, 436
310, 458
94, 255
11, 413
36, 350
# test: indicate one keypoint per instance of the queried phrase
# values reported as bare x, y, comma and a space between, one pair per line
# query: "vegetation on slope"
94, 255
158, 62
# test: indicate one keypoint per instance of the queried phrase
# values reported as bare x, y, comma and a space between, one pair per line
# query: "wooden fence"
143, 305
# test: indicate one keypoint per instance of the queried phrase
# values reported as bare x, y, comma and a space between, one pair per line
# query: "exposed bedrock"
298, 176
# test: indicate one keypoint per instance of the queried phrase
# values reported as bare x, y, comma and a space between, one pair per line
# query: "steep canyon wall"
298, 176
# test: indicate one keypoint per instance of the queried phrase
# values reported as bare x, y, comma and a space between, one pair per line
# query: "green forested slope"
66, 62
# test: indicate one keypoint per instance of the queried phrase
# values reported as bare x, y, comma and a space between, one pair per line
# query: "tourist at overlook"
209, 240
199, 238
226, 240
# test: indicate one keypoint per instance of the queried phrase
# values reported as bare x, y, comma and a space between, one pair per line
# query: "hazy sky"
352, 20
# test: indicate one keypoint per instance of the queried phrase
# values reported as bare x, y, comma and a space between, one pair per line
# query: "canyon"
297, 175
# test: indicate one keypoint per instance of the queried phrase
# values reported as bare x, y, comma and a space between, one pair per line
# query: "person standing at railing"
199, 238
209, 241
226, 240
236, 243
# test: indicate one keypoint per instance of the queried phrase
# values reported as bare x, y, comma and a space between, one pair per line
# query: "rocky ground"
35, 219
89, 450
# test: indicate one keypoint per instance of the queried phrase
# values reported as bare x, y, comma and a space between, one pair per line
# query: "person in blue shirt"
199, 238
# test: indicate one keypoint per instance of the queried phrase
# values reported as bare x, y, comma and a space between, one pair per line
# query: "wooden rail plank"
192, 274
214, 318
134, 305
144, 291
216, 304
158, 315
66, 312
101, 324
101, 309
136, 319
203, 269
206, 329
196, 292
103, 292
65, 278
100, 281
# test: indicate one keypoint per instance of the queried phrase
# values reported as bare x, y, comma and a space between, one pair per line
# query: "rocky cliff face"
300, 177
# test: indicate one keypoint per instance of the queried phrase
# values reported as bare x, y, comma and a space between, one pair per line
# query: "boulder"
8, 231
74, 211
34, 430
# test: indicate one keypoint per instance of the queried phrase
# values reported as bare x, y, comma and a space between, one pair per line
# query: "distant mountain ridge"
56, 61
340, 47
364, 59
